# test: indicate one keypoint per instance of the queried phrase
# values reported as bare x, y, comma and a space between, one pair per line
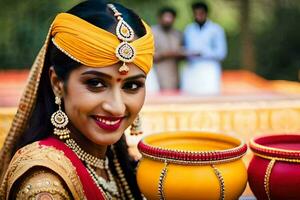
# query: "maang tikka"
125, 52
59, 119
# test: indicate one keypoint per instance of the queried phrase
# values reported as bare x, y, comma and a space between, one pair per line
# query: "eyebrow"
97, 73
135, 77
93, 72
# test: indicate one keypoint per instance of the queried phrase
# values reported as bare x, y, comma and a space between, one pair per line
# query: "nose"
114, 104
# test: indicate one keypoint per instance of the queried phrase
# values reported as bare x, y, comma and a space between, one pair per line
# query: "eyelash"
92, 85
128, 85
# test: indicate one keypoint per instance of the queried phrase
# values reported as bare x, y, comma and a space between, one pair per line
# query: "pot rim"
258, 146
193, 157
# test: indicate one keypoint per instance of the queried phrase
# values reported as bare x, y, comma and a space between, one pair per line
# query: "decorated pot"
274, 171
191, 165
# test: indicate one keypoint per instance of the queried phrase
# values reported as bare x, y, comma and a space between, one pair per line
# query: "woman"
85, 88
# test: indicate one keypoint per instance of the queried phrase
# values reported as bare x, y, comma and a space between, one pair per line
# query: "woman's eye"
133, 86
95, 83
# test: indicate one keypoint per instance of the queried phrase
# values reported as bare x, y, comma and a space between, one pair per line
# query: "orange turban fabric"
96, 47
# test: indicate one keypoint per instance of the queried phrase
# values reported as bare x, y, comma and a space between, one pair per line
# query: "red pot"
274, 171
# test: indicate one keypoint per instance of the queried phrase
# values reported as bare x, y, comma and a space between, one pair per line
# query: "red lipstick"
108, 123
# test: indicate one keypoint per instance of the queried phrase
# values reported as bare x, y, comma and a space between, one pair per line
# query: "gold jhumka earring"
59, 119
136, 127
125, 52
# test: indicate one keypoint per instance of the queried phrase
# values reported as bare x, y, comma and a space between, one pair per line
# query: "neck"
87, 145
200, 23
166, 28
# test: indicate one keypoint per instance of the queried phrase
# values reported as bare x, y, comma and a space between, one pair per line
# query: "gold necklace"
86, 157
109, 186
121, 175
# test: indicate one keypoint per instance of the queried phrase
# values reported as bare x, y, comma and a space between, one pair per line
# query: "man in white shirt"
206, 41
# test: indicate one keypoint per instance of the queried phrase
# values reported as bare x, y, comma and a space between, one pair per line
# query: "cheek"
136, 102
79, 103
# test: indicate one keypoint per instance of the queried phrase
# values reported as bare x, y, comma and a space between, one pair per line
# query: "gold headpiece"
96, 47
124, 51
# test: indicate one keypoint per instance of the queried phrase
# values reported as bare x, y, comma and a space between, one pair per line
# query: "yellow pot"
191, 165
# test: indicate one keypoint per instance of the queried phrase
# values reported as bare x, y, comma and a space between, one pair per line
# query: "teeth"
107, 122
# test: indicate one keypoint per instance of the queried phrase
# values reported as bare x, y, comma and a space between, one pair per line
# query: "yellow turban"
96, 47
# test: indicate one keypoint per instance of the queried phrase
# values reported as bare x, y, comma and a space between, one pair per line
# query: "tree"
247, 44
278, 45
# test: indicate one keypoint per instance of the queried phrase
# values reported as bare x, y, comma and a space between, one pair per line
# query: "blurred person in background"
205, 42
168, 51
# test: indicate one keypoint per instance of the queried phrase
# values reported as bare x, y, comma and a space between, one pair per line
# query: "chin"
107, 139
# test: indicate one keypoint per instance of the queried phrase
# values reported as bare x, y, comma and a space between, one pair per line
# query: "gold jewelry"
59, 119
121, 175
86, 157
109, 186
124, 51
136, 127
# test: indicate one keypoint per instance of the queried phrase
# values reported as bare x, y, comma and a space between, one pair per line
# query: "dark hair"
164, 10
200, 5
39, 126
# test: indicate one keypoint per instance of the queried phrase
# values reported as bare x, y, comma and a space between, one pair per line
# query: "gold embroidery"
42, 184
36, 155
46, 196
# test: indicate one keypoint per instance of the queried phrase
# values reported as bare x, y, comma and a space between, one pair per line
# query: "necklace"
86, 157
109, 186
121, 175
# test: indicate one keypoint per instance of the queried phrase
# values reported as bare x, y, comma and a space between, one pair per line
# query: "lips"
108, 123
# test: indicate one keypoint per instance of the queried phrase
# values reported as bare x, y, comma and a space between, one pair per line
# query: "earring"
59, 119
136, 127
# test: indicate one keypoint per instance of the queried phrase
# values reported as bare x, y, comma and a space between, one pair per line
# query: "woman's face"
101, 103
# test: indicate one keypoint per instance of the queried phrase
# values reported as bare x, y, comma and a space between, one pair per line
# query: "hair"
164, 10
39, 126
200, 5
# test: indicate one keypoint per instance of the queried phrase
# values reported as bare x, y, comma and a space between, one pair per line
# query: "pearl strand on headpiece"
62, 50
86, 157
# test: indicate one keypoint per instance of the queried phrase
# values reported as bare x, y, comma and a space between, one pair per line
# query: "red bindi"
119, 79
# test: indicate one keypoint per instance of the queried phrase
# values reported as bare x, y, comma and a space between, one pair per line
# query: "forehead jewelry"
125, 52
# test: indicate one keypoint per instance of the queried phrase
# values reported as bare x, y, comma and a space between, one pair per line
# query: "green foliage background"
274, 25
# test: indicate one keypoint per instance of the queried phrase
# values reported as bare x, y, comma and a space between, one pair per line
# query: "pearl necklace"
109, 186
86, 157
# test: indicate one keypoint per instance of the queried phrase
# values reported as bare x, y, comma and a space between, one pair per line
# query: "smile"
108, 123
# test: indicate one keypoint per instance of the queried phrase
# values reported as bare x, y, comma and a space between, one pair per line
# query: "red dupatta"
90, 188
